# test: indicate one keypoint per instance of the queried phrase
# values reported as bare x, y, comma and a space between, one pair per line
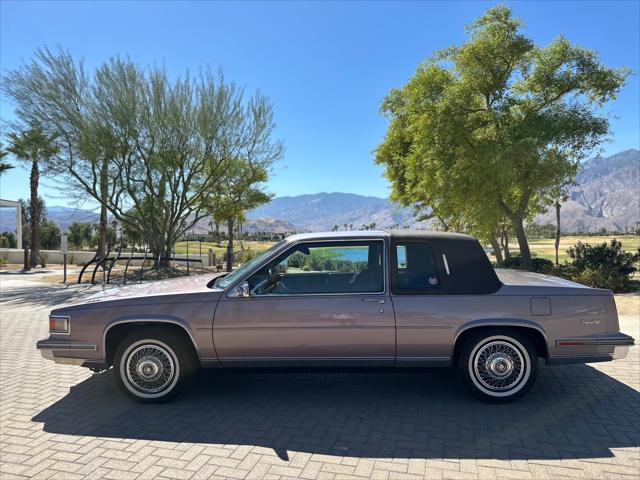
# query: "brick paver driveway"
63, 422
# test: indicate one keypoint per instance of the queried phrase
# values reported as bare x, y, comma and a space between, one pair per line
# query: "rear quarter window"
442, 265
415, 269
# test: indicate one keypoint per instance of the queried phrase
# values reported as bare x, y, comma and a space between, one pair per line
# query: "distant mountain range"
606, 196
61, 216
322, 211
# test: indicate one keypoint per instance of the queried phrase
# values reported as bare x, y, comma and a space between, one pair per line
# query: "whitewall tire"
498, 366
153, 366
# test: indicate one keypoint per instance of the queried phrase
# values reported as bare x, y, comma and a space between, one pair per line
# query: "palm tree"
4, 166
562, 197
33, 146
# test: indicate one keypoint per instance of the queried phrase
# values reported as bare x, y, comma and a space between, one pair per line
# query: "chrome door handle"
380, 301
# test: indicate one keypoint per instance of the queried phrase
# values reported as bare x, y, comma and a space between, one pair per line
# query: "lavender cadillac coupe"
400, 299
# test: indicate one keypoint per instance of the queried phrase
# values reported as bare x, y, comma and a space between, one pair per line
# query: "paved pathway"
62, 422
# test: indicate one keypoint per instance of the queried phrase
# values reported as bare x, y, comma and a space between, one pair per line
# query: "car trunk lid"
519, 282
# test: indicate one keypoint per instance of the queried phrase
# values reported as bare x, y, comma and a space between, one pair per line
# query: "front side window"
415, 268
224, 282
322, 268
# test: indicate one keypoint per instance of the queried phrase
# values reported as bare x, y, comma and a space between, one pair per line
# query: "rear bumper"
617, 345
599, 340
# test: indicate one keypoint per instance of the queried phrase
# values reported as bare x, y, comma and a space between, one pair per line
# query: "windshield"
227, 280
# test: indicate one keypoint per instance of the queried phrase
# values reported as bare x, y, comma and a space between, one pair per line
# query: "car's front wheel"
153, 366
497, 366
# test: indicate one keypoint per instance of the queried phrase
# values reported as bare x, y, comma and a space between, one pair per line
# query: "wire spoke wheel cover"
150, 368
499, 366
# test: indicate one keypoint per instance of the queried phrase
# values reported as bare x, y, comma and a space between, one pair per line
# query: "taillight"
58, 324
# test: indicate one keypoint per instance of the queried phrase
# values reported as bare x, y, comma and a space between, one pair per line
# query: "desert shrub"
345, 266
296, 260
538, 265
605, 265
42, 259
8, 240
315, 260
329, 265
245, 255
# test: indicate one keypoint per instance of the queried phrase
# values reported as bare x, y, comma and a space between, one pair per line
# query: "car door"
424, 329
320, 303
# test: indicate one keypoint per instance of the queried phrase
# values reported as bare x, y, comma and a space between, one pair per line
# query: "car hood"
176, 290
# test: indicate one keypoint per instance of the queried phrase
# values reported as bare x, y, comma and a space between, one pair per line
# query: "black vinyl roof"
429, 235
469, 268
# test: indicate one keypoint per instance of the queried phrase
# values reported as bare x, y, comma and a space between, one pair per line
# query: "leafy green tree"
79, 234
9, 239
247, 165
49, 235
34, 147
496, 123
232, 201
54, 92
151, 150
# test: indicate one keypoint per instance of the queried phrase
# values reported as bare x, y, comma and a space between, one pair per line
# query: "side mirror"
241, 290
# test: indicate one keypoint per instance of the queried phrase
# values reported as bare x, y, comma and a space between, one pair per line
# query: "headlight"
58, 324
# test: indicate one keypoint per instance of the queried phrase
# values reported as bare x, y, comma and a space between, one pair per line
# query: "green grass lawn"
194, 247
544, 248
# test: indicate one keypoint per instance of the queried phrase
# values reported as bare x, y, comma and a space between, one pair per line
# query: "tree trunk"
525, 253
104, 198
34, 214
496, 250
240, 234
230, 222
164, 254
557, 242
505, 244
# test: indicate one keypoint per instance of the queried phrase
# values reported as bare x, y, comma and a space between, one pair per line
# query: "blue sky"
325, 65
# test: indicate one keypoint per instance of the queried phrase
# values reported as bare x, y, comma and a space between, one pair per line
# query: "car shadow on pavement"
572, 412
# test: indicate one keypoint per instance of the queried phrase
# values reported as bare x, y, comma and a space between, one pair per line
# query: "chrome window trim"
301, 295
446, 264
67, 318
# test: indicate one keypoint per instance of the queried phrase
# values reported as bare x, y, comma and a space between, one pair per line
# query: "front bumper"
65, 352
616, 345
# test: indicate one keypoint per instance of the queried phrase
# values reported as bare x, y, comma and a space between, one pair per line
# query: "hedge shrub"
538, 265
603, 265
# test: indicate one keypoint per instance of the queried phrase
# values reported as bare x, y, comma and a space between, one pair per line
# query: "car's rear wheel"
153, 366
498, 366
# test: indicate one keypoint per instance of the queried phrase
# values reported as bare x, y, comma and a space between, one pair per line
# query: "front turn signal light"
58, 324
